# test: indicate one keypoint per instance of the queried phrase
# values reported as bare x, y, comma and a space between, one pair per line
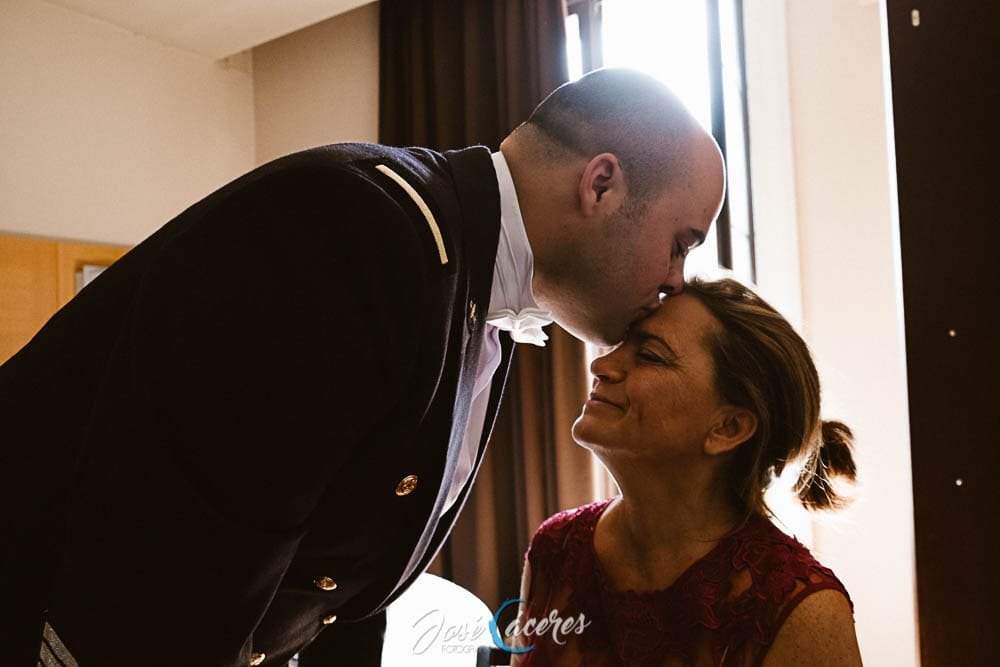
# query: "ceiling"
217, 28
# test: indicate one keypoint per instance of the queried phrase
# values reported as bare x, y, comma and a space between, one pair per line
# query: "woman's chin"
586, 433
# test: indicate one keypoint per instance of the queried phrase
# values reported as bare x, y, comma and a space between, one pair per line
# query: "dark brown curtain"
460, 72
455, 73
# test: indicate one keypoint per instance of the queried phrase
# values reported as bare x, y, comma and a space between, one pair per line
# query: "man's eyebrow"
642, 334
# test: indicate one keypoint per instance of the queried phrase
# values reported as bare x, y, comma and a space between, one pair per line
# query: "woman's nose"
607, 368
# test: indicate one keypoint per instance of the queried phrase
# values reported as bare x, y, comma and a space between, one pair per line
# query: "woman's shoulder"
796, 557
575, 517
802, 599
784, 571
567, 531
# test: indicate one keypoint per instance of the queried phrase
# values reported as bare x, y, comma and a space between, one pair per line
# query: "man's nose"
674, 283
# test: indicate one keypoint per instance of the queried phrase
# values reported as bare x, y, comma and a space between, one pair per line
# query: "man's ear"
602, 185
733, 426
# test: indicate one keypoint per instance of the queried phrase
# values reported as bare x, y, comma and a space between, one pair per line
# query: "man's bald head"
616, 181
623, 112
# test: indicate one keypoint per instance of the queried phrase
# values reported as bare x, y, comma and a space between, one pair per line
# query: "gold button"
256, 659
407, 485
327, 620
325, 583
472, 312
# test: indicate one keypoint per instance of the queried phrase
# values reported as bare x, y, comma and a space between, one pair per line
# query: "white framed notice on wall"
86, 273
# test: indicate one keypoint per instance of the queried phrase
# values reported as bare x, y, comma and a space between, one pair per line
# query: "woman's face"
654, 396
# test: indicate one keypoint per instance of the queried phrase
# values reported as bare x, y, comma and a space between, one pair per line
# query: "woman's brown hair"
763, 365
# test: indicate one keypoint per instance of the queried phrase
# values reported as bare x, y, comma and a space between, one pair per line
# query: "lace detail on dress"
725, 609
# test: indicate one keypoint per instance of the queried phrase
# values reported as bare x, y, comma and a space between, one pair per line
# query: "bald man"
248, 436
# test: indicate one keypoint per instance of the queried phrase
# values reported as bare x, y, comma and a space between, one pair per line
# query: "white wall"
776, 224
848, 261
318, 85
106, 135
772, 165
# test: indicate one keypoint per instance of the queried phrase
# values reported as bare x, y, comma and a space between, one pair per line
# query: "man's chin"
598, 334
604, 340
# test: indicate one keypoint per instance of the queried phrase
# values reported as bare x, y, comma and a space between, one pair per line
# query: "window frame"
589, 16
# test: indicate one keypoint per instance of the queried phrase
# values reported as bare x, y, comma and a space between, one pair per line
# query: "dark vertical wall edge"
945, 86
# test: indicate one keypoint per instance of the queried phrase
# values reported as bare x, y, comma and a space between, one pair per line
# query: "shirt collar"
512, 303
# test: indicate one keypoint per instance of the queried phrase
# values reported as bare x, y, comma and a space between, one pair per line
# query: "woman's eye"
649, 356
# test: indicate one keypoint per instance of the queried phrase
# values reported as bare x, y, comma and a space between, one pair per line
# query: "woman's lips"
597, 398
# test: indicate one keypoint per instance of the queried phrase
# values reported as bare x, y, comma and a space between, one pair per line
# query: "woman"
693, 414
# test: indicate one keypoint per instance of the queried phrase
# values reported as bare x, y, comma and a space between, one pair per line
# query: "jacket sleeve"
267, 337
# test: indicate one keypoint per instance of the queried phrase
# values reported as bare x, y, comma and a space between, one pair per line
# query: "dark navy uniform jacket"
233, 445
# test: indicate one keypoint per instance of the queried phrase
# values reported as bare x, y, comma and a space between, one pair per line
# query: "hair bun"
834, 458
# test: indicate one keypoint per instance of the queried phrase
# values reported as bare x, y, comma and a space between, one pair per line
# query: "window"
696, 48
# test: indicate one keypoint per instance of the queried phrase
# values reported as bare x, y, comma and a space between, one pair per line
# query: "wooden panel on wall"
37, 277
945, 98
28, 292
73, 255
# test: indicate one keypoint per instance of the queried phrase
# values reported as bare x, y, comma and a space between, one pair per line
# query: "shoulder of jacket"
378, 194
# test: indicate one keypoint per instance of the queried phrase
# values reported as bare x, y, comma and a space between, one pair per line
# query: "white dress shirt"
512, 308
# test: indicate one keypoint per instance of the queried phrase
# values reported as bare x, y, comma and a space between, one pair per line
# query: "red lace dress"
725, 609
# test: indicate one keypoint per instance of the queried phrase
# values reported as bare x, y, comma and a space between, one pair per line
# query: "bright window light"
574, 47
666, 39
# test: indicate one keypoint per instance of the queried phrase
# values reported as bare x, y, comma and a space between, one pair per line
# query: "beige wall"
851, 305
318, 85
105, 135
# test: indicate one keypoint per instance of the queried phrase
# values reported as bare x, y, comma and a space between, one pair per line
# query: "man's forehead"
686, 213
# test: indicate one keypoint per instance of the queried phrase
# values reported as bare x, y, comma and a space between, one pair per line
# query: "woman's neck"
673, 513
665, 521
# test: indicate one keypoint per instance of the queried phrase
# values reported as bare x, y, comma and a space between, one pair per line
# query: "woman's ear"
602, 185
733, 426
